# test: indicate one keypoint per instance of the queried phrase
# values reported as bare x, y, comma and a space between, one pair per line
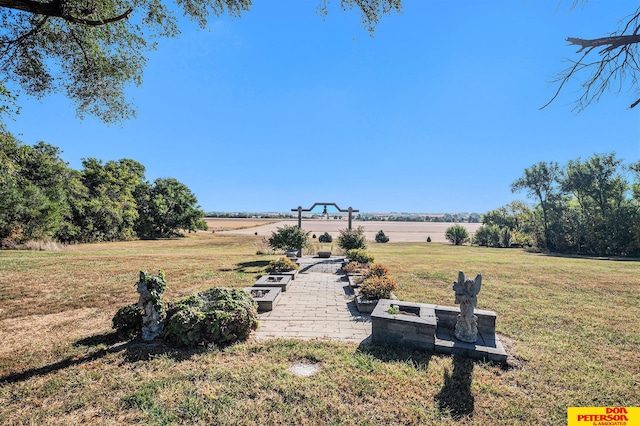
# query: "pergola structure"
300, 210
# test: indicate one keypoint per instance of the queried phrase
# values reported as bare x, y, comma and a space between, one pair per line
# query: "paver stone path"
317, 305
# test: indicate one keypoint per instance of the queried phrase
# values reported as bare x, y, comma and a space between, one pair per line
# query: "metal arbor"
300, 210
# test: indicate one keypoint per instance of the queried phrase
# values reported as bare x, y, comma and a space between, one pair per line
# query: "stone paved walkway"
317, 305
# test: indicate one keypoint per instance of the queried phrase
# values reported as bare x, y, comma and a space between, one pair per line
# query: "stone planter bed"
431, 327
364, 305
353, 280
324, 254
293, 274
280, 281
266, 297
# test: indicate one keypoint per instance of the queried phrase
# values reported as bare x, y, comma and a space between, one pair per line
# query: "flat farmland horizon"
398, 232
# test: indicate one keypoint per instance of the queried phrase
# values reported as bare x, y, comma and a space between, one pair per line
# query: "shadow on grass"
455, 396
134, 351
245, 266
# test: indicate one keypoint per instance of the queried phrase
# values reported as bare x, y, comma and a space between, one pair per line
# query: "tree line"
589, 207
42, 198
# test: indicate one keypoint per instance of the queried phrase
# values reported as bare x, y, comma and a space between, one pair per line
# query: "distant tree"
289, 238
457, 234
165, 208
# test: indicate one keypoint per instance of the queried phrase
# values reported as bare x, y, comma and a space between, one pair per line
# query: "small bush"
429, 239
353, 268
375, 287
325, 238
457, 234
282, 264
377, 270
381, 237
127, 322
289, 238
215, 316
360, 256
350, 239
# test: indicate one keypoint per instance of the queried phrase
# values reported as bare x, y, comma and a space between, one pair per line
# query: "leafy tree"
93, 50
541, 181
457, 234
165, 208
32, 193
289, 238
350, 239
106, 209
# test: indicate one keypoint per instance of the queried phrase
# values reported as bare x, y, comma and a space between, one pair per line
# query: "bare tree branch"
613, 42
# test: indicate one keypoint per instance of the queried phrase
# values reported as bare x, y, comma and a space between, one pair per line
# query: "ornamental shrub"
381, 237
127, 322
351, 268
457, 234
376, 287
350, 239
325, 238
282, 264
289, 238
214, 316
377, 270
360, 256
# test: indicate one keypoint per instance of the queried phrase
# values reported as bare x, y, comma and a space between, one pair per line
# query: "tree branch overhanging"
611, 42
55, 9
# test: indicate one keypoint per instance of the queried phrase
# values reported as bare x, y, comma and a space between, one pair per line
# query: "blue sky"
439, 112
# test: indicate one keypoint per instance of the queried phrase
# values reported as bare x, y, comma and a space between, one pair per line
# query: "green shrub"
127, 322
429, 239
457, 234
381, 237
359, 256
282, 264
350, 239
325, 238
376, 287
214, 316
289, 238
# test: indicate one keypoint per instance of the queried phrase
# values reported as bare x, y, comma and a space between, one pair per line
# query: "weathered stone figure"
466, 295
151, 320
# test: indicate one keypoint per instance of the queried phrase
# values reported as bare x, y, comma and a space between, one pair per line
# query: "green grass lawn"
569, 324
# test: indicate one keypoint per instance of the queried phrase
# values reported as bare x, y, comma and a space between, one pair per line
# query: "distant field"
570, 324
399, 232
225, 224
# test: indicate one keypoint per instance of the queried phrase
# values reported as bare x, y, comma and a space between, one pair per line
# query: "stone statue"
151, 319
466, 295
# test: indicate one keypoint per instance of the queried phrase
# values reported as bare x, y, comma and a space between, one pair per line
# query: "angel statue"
466, 295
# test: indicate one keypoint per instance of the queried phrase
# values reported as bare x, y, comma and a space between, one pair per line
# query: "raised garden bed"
265, 297
324, 254
281, 281
431, 327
